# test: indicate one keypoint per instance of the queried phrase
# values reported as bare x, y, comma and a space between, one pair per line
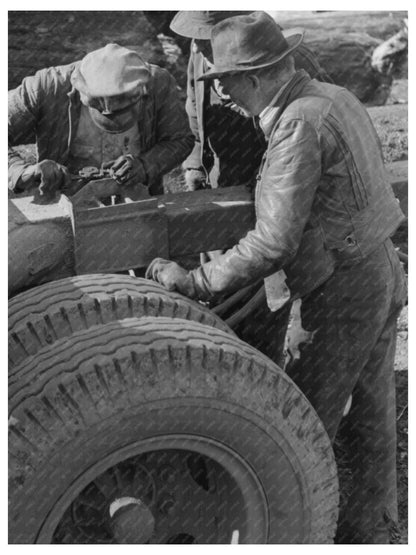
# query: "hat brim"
293, 37
186, 25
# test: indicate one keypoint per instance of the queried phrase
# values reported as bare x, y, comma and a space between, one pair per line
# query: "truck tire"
42, 315
161, 430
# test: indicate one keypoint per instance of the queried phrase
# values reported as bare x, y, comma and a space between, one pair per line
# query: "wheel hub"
161, 497
131, 520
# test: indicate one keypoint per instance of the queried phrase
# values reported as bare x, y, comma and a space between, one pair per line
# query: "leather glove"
172, 276
48, 175
127, 170
195, 179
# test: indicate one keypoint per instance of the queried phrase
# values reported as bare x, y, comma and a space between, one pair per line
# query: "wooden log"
384, 55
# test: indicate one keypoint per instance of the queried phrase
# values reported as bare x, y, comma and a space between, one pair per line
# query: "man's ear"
253, 80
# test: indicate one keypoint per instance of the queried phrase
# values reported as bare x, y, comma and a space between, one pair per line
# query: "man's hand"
195, 179
127, 170
172, 276
48, 174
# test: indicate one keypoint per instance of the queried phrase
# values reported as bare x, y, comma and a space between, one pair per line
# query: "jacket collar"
284, 96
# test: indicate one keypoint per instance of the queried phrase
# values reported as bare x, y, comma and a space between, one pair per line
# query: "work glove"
195, 179
48, 175
127, 170
172, 276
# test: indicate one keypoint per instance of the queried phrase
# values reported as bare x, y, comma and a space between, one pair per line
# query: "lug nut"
167, 473
166, 505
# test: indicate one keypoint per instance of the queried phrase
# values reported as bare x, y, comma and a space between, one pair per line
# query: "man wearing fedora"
227, 152
325, 214
111, 109
228, 146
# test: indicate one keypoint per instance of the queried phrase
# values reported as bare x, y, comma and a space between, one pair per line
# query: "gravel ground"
391, 123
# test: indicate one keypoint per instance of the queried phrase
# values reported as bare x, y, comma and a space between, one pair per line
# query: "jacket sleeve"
284, 199
174, 139
194, 160
23, 111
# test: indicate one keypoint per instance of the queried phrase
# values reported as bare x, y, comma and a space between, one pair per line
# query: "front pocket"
355, 192
83, 151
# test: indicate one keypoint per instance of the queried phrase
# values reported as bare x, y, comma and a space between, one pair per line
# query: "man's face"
238, 87
204, 47
114, 114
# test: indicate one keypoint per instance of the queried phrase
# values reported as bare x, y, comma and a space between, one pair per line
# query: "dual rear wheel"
136, 416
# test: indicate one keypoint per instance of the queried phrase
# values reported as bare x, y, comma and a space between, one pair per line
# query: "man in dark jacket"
325, 214
110, 109
228, 145
228, 150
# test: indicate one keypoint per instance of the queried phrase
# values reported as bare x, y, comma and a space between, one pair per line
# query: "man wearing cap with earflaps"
111, 109
228, 146
325, 212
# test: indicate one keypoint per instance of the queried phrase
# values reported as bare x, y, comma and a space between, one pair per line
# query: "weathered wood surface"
385, 54
344, 43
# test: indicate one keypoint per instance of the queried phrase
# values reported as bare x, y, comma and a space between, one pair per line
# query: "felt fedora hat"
198, 25
248, 42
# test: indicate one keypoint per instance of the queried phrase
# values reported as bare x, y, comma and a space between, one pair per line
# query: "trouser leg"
352, 319
330, 363
371, 438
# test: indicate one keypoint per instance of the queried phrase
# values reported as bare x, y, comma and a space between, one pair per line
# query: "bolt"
166, 504
167, 473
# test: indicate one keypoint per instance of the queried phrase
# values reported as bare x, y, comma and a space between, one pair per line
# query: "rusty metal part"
94, 192
91, 172
129, 235
115, 238
68, 240
120, 237
84, 176
98, 193
41, 246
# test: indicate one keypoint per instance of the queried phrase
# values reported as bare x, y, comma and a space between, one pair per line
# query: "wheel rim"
172, 489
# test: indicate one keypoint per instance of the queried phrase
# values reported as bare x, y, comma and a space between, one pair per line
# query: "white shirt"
267, 116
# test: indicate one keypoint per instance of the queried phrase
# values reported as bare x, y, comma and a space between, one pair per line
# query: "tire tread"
141, 360
47, 313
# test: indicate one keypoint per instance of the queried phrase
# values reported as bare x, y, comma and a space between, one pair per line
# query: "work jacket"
323, 200
46, 108
203, 155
